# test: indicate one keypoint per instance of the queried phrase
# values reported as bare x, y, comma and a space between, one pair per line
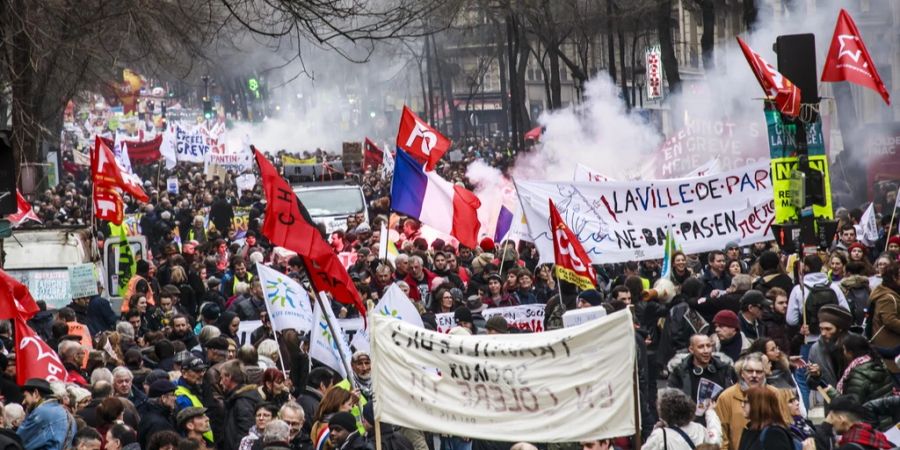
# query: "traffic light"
207, 109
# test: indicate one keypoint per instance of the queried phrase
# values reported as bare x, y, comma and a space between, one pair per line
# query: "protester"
47, 424
680, 432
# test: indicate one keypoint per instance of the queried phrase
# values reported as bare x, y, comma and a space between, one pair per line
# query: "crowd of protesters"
168, 370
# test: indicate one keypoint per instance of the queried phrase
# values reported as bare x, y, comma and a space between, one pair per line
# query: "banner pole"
370, 305
336, 336
887, 237
637, 406
274, 334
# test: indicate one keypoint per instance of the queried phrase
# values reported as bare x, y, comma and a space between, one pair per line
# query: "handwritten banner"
524, 317
620, 221
507, 387
82, 281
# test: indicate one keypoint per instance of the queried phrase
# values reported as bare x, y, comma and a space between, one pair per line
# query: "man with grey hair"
276, 435
419, 280
292, 414
123, 385
72, 354
751, 371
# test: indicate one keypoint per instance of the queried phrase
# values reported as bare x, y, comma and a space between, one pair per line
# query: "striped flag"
668, 251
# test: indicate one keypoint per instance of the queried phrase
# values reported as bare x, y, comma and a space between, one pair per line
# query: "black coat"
9, 440
682, 376
309, 400
11, 391
390, 439
154, 418
240, 406
220, 214
100, 315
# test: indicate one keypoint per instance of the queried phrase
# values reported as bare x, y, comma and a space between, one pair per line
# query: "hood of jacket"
812, 279
855, 281
246, 391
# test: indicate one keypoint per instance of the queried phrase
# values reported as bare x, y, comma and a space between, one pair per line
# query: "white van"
332, 204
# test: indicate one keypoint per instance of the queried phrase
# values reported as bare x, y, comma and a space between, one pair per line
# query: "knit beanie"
727, 318
836, 315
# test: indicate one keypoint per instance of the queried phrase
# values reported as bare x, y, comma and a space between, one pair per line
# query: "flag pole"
887, 237
274, 334
370, 305
336, 336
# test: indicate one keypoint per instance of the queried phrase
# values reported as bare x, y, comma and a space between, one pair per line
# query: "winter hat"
894, 240
475, 304
497, 323
160, 388
836, 315
462, 314
753, 298
591, 296
188, 413
344, 420
768, 260
213, 282
858, 245
487, 244
210, 311
847, 403
727, 318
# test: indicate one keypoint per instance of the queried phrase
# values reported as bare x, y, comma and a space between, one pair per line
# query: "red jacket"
414, 293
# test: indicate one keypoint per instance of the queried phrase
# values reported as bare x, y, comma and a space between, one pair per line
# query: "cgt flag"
572, 262
786, 94
423, 143
849, 60
34, 358
108, 179
23, 211
15, 299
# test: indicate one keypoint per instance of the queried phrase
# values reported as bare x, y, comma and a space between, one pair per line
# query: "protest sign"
172, 185
507, 387
782, 149
524, 317
707, 391
620, 221
575, 317
236, 162
82, 280
185, 145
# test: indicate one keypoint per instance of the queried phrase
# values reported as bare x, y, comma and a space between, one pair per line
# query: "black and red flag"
288, 224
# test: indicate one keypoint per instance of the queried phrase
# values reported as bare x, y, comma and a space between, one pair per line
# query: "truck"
327, 193
41, 258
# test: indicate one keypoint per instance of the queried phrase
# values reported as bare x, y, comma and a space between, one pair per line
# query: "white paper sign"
575, 317
82, 280
567, 385
524, 317
620, 221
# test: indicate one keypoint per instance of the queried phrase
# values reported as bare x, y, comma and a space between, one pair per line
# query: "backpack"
858, 299
798, 445
819, 296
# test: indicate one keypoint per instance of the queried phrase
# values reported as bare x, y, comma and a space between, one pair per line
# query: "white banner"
622, 221
867, 230
288, 303
653, 63
567, 385
236, 162
184, 145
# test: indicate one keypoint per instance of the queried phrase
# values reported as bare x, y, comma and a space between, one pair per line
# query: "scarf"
853, 364
863, 434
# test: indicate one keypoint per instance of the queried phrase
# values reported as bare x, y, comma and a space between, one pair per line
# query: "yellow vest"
181, 390
357, 409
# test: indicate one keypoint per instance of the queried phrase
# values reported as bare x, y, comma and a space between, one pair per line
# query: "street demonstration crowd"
744, 349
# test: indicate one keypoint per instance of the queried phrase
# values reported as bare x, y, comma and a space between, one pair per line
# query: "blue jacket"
47, 427
100, 316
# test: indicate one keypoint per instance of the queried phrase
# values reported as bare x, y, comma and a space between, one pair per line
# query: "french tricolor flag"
434, 201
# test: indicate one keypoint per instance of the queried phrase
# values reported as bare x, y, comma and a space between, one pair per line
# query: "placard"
82, 281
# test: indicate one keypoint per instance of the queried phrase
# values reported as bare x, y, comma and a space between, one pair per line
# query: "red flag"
108, 204
283, 224
572, 262
424, 143
287, 225
141, 152
849, 60
108, 179
24, 211
15, 299
34, 358
786, 94
373, 156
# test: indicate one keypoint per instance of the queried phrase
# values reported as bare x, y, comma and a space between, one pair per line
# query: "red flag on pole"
15, 299
786, 94
34, 358
423, 143
372, 156
572, 262
108, 179
849, 60
23, 212
287, 224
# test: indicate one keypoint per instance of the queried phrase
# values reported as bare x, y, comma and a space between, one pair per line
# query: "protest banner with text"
537, 387
620, 221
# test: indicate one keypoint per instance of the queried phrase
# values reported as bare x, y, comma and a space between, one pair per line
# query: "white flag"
288, 303
394, 304
868, 232
168, 146
325, 346
897, 200
387, 165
